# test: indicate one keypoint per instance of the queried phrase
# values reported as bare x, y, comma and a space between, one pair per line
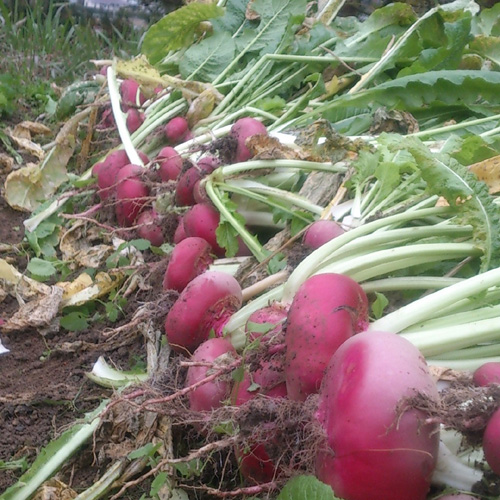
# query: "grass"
50, 43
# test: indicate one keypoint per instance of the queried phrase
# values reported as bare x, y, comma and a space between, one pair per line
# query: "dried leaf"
26, 128
18, 285
201, 107
53, 489
265, 147
488, 171
38, 313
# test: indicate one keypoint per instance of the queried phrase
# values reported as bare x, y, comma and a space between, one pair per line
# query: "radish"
180, 232
326, 311
150, 228
189, 258
321, 231
184, 192
210, 395
131, 194
376, 449
206, 304
271, 318
107, 170
176, 130
241, 131
487, 373
202, 220
131, 95
169, 164
134, 120
208, 164
491, 442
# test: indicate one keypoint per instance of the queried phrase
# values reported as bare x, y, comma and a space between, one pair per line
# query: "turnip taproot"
206, 304
487, 373
241, 131
169, 164
321, 231
189, 258
150, 227
131, 194
491, 442
176, 130
211, 394
202, 220
376, 447
326, 310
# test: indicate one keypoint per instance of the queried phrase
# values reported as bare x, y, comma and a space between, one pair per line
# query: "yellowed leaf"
28, 145
26, 128
53, 489
18, 285
489, 172
70, 288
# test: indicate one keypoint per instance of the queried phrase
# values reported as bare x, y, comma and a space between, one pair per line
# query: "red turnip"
176, 130
206, 304
321, 231
242, 130
377, 447
134, 119
208, 164
211, 394
189, 258
169, 164
491, 442
266, 323
184, 191
131, 95
180, 233
131, 194
202, 220
326, 310
150, 228
487, 373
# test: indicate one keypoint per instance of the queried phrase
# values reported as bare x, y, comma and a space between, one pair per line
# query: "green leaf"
488, 47
148, 450
207, 59
488, 22
379, 305
141, 244
302, 487
177, 29
74, 321
157, 483
42, 268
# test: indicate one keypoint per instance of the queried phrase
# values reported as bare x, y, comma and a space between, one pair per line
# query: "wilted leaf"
26, 128
38, 313
201, 107
18, 285
489, 172
265, 147
53, 489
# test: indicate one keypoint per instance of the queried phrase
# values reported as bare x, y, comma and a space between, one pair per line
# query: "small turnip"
180, 232
169, 164
211, 394
131, 194
208, 164
184, 191
134, 119
176, 130
205, 305
266, 323
189, 258
321, 231
241, 131
486, 374
131, 95
150, 228
491, 442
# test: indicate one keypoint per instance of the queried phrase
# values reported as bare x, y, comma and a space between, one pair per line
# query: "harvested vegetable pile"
291, 218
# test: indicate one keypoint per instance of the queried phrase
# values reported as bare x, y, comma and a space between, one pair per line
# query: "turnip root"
206, 304
321, 231
184, 191
241, 131
134, 119
270, 319
202, 220
131, 95
211, 394
326, 311
376, 447
131, 194
180, 232
169, 164
176, 130
491, 442
150, 228
486, 374
208, 164
190, 257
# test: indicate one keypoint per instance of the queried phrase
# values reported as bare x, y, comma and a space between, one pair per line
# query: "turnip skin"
190, 257
486, 374
326, 311
491, 442
206, 303
242, 130
134, 120
271, 315
176, 130
211, 394
202, 220
131, 194
169, 164
180, 232
131, 95
320, 232
373, 451
150, 227
184, 192
208, 164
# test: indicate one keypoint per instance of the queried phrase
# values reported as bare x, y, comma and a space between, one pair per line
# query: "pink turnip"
134, 119
131, 95
150, 228
321, 231
169, 164
241, 131
205, 305
326, 310
266, 323
491, 442
211, 394
202, 220
176, 130
184, 191
180, 232
377, 446
131, 194
189, 258
487, 373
